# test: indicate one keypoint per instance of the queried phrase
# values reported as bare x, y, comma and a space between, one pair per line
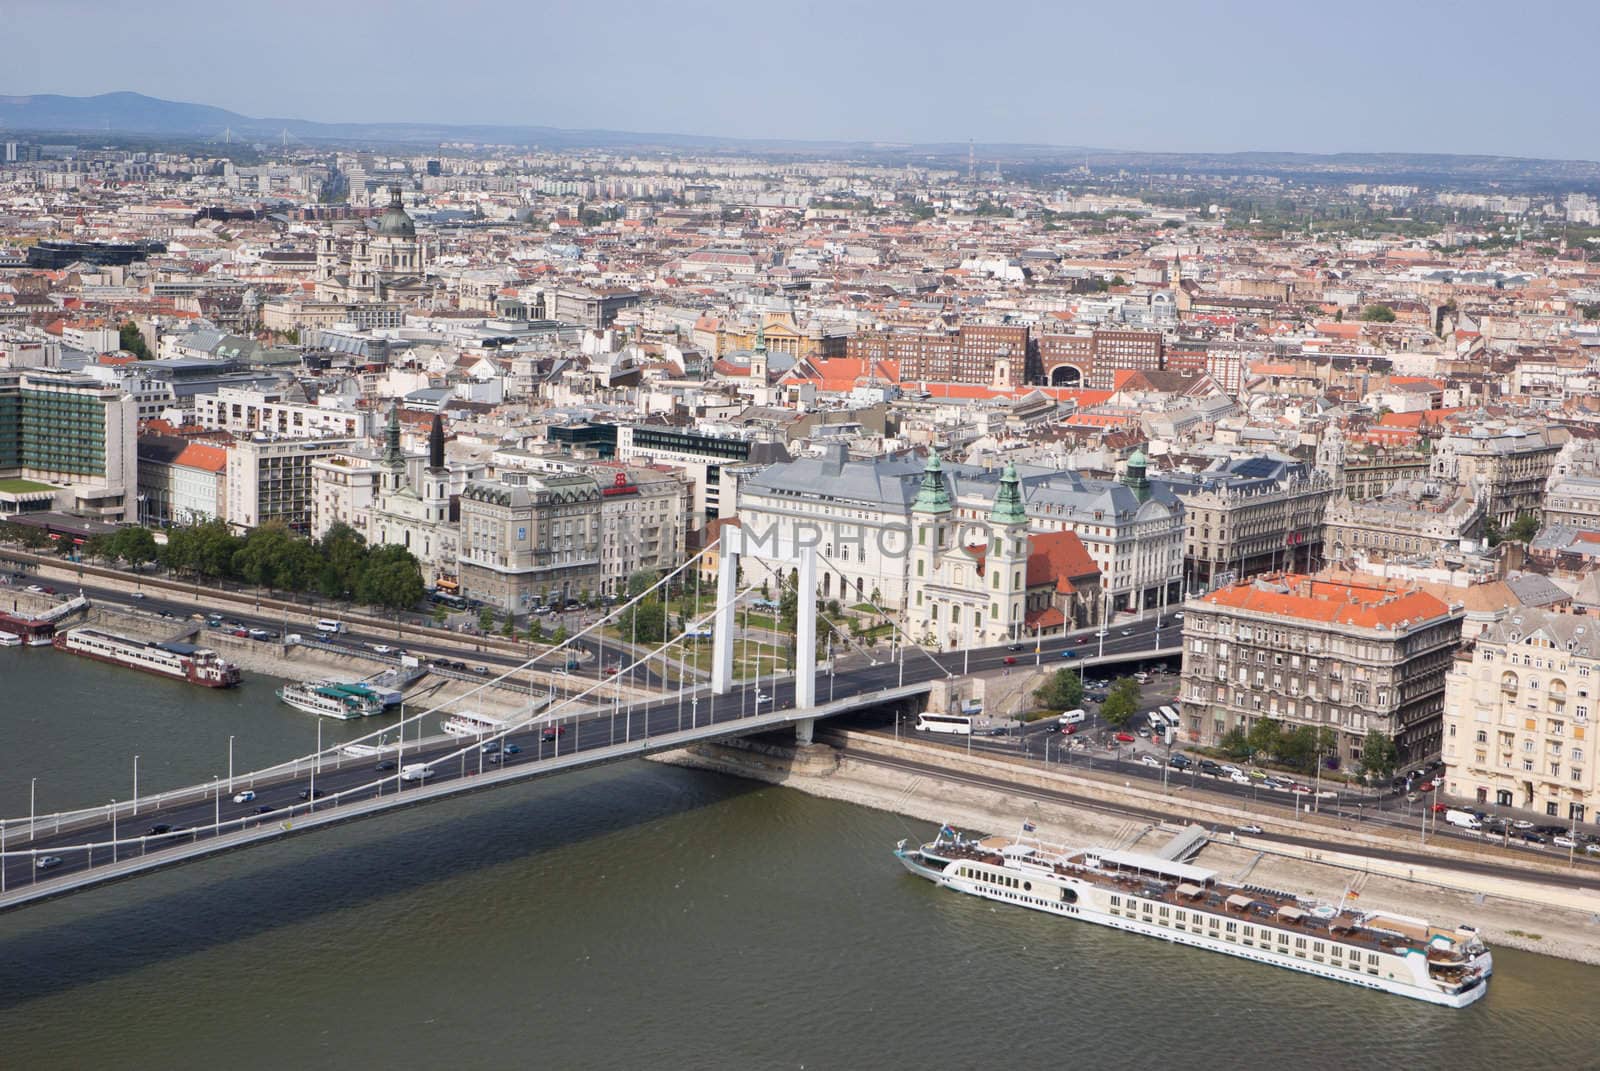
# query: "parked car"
1124, 738
1149, 760
1563, 841
1180, 762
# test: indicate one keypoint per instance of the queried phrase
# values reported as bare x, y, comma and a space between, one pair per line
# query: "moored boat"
179, 661
331, 699
1187, 904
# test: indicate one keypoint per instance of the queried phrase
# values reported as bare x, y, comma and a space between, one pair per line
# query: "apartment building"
643, 523
1245, 516
1305, 650
270, 480
1518, 703
530, 537
968, 354
1508, 465
1093, 359
247, 412
1413, 519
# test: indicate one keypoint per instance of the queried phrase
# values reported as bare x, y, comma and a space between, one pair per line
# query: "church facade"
382, 264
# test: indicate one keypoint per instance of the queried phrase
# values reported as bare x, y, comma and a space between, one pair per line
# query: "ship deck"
1248, 903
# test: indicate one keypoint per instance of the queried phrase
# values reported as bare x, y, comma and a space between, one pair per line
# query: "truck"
1465, 819
416, 771
971, 707
1072, 717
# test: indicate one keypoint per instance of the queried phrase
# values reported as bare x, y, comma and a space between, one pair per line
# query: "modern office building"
67, 442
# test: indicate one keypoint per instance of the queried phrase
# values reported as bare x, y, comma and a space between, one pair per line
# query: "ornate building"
416, 516
385, 264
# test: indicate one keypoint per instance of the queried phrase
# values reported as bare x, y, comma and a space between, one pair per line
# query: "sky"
1468, 76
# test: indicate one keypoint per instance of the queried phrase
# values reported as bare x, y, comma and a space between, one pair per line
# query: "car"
309, 794
551, 732
48, 590
1125, 738
1149, 760
158, 829
489, 747
1230, 768
47, 862
996, 730
613, 669
37, 590
1300, 789
1238, 778
246, 796
1257, 775
1014, 647
138, 595
482, 671
1069, 653
763, 697
1521, 823
1081, 640
1010, 660
264, 808
1126, 632
1531, 837
1068, 730
1563, 841
166, 613
1426, 786
1592, 848
260, 634
1250, 828
240, 633
512, 749
1439, 808
1180, 762
385, 766
381, 648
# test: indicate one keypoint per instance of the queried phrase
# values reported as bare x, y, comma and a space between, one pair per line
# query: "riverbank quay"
1515, 902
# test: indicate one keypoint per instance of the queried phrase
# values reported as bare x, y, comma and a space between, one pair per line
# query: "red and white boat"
180, 661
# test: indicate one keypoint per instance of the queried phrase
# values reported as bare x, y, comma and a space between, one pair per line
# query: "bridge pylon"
803, 557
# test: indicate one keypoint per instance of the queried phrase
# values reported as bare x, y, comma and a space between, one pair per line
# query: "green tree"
343, 553
391, 578
1264, 737
642, 581
559, 636
487, 618
1122, 703
1062, 691
509, 629
644, 621
1378, 314
1236, 743
131, 340
1379, 756
535, 631
440, 616
134, 544
1524, 528
203, 550
270, 557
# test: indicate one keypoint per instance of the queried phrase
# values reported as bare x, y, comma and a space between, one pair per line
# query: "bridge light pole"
113, 831
230, 763
33, 783
136, 785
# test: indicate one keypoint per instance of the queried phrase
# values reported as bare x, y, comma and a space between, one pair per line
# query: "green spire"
1008, 499
391, 440
933, 497
761, 336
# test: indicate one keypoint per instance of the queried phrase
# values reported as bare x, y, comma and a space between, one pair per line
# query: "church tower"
758, 357
933, 529
436, 480
394, 462
1135, 479
1007, 560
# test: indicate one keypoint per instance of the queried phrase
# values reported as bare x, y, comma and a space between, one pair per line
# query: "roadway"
360, 780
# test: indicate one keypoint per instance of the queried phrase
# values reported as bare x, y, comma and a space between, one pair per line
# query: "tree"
1379, 756
535, 631
1062, 691
440, 616
1524, 528
343, 553
131, 340
134, 544
486, 619
1378, 314
559, 636
1122, 703
1264, 737
392, 578
1236, 743
644, 621
642, 581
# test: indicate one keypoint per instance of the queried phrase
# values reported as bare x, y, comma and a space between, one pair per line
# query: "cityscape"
596, 572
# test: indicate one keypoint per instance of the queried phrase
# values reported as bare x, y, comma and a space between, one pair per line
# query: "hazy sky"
1407, 75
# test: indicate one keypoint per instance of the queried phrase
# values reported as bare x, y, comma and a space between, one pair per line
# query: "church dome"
394, 223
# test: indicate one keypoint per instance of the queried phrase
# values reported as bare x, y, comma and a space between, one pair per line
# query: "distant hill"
135, 113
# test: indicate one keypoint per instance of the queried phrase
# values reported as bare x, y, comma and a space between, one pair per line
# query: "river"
639, 915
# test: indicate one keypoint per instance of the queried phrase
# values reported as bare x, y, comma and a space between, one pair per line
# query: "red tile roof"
1333, 602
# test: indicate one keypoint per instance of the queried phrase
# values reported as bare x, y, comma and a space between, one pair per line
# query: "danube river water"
636, 916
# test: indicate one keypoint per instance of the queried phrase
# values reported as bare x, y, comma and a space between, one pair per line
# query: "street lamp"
113, 831
136, 784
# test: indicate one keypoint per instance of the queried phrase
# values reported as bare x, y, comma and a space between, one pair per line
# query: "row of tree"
1063, 690
340, 565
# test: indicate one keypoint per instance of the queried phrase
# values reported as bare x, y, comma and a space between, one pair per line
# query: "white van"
1072, 717
330, 627
1464, 819
416, 771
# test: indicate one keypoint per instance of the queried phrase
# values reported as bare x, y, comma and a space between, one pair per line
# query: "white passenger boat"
331, 699
471, 723
1187, 905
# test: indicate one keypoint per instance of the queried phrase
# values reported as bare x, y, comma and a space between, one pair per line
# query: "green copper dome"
1008, 499
933, 496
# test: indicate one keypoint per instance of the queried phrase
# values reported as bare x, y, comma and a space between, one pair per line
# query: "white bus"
330, 627
944, 723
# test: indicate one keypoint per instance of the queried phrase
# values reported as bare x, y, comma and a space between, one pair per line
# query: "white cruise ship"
331, 699
1187, 905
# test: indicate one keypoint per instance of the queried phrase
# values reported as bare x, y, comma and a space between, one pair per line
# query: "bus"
960, 724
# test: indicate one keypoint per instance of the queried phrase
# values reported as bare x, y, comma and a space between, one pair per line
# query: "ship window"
1116, 901
1317, 947
1069, 896
1027, 886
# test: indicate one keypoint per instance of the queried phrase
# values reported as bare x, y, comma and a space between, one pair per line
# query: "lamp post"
230, 764
33, 784
113, 831
136, 784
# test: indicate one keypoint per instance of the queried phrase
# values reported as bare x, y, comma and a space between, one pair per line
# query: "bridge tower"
803, 556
